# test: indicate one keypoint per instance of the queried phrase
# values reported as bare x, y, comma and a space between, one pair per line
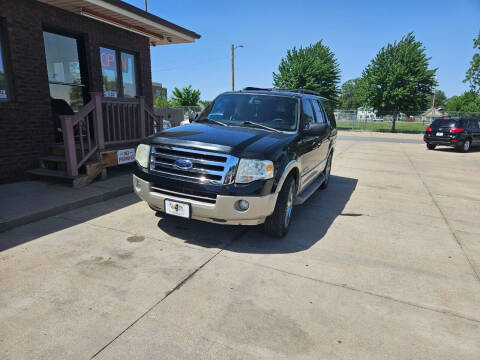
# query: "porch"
103, 133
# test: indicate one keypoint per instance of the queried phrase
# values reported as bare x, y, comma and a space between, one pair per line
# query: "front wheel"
278, 223
431, 146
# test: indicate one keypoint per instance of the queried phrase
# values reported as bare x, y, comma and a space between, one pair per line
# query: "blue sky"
354, 30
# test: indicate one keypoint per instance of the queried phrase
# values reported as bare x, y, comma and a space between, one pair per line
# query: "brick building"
68, 50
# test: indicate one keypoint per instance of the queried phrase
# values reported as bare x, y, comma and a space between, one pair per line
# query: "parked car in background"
245, 160
457, 132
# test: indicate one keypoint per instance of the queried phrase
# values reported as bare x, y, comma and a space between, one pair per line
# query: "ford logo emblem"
183, 164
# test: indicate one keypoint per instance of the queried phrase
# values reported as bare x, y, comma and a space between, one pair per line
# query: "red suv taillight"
456, 130
428, 129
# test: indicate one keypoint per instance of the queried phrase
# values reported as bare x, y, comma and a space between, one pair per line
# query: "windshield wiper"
259, 125
212, 121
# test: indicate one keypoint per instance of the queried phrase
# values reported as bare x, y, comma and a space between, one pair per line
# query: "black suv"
245, 160
450, 131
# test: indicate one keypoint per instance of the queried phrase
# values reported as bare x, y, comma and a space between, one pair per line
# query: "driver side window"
307, 113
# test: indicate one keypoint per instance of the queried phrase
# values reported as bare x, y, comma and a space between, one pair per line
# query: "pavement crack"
450, 227
178, 286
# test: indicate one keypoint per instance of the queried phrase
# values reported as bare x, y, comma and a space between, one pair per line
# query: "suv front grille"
207, 166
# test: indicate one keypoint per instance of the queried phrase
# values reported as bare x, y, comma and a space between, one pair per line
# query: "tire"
465, 147
326, 173
278, 223
431, 146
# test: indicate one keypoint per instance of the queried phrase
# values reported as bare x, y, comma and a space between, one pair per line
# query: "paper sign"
126, 156
3, 94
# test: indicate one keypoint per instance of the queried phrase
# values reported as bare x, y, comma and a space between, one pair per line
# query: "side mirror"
316, 130
193, 116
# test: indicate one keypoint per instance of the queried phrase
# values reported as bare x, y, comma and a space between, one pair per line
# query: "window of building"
5, 94
63, 68
119, 73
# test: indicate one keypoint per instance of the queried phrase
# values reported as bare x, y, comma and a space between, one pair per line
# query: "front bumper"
223, 211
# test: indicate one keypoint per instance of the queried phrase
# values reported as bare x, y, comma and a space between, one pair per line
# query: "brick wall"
26, 125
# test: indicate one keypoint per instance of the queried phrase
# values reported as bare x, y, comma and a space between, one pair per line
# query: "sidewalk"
28, 201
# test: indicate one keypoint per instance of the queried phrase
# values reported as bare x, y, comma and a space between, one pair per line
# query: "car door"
307, 145
321, 152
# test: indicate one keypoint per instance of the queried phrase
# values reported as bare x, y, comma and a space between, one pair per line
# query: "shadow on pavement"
310, 223
25, 233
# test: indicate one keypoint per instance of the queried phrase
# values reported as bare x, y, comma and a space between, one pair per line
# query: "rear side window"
329, 108
307, 111
318, 112
474, 124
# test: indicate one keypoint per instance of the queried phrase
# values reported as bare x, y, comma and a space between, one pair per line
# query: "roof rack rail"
300, 91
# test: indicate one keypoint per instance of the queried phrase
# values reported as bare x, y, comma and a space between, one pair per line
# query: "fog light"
243, 205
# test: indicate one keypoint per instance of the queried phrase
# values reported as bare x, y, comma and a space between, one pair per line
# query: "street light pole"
233, 64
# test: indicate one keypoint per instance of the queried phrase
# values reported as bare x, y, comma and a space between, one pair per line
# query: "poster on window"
3, 94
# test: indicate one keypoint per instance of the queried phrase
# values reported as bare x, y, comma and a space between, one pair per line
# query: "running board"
305, 194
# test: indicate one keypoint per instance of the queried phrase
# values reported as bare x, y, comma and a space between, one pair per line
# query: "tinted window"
277, 112
329, 110
4, 91
474, 124
318, 112
307, 110
445, 123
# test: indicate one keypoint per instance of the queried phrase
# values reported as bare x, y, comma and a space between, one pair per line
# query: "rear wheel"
278, 223
431, 146
465, 147
326, 173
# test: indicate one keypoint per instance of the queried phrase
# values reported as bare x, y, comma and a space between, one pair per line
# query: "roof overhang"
120, 14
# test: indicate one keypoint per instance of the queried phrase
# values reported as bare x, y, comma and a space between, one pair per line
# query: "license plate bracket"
178, 208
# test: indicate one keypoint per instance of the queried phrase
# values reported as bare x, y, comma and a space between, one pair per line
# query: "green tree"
440, 99
351, 97
162, 102
398, 78
186, 96
467, 103
313, 67
473, 73
204, 103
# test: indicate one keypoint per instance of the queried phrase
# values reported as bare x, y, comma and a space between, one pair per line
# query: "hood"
239, 141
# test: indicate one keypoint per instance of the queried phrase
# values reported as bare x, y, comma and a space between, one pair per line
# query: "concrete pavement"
384, 264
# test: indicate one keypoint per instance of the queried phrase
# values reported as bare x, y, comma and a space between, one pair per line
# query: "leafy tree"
204, 103
313, 67
162, 102
466, 103
473, 73
440, 98
398, 78
351, 97
185, 97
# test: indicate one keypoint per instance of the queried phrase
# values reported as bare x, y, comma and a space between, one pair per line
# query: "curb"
10, 224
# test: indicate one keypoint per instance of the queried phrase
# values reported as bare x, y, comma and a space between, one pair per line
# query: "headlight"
250, 170
142, 154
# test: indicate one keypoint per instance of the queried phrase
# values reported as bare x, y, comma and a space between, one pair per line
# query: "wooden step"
54, 158
50, 173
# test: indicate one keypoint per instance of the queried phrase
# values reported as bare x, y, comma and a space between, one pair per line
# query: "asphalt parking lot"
384, 264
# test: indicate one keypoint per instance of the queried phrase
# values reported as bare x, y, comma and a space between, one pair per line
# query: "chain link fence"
407, 121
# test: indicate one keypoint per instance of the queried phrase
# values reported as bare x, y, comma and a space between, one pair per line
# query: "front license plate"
439, 133
177, 208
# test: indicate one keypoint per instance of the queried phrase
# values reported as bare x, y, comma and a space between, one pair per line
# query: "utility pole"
146, 7
233, 64
233, 68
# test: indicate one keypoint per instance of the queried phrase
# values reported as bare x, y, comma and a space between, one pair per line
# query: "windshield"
277, 112
437, 123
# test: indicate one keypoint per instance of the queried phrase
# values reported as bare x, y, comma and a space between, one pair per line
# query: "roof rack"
300, 91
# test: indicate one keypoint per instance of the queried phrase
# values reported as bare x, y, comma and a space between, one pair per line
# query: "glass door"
64, 69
